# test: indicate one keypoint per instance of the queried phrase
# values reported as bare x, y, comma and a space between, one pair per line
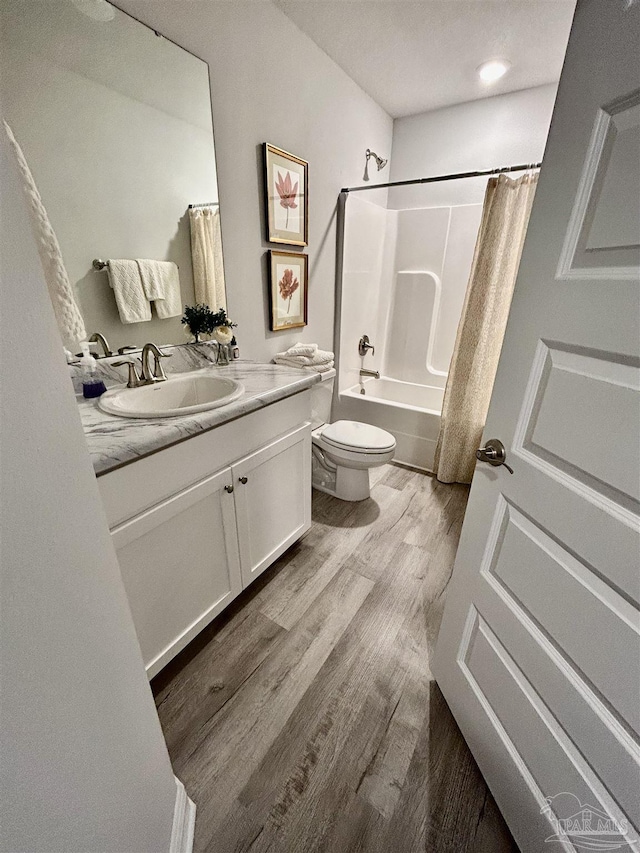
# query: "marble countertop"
114, 441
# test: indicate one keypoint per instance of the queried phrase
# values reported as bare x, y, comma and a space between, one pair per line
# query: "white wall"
503, 130
117, 168
271, 83
84, 766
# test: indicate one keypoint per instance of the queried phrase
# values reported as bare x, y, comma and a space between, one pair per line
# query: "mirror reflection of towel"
161, 283
206, 257
124, 278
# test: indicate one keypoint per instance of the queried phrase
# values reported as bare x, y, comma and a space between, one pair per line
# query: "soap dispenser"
92, 385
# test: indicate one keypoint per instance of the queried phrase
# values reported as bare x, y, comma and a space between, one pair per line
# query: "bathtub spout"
374, 373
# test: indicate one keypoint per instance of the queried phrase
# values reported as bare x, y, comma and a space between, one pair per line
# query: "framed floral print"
286, 194
288, 284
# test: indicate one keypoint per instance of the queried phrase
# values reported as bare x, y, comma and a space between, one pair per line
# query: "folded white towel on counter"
294, 356
301, 349
300, 363
319, 368
306, 355
161, 283
322, 368
125, 279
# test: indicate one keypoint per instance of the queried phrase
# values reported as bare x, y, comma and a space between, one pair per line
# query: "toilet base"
349, 484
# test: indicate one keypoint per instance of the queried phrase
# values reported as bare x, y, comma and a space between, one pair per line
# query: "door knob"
243, 480
228, 489
494, 453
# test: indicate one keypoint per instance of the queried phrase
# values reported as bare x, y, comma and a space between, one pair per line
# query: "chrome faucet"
98, 338
147, 375
374, 373
150, 376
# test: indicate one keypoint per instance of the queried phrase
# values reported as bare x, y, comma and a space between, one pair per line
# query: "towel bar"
102, 265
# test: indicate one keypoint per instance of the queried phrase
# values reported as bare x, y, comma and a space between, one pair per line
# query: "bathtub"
410, 412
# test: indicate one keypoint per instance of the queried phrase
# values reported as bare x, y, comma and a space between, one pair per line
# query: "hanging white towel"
161, 283
125, 279
64, 303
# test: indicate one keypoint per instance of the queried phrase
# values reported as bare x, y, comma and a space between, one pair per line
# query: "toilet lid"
358, 437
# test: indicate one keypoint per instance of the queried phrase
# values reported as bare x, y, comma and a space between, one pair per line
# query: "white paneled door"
539, 650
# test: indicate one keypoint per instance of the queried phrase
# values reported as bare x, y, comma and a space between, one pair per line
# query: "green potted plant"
199, 319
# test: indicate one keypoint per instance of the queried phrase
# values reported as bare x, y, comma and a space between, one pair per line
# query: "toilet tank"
321, 397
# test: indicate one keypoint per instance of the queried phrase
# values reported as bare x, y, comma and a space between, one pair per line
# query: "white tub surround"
405, 263
403, 283
115, 441
433, 255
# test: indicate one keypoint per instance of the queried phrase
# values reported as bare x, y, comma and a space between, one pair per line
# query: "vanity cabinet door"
272, 491
180, 566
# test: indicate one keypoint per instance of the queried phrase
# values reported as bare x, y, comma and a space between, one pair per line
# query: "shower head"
380, 163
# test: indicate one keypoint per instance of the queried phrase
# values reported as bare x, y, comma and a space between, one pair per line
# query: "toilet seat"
357, 437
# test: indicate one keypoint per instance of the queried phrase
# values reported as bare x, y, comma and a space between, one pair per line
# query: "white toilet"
344, 451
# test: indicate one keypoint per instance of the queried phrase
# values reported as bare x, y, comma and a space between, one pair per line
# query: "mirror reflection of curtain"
65, 307
505, 216
206, 257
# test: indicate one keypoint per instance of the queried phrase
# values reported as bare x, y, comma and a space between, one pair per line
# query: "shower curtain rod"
483, 173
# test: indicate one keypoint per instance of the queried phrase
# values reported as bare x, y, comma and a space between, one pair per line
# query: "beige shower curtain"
507, 205
206, 257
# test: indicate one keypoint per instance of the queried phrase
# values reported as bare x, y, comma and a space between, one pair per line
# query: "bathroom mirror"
115, 123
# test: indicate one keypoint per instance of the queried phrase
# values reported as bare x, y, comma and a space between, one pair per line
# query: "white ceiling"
417, 56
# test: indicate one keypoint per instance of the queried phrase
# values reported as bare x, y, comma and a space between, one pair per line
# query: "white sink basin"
185, 394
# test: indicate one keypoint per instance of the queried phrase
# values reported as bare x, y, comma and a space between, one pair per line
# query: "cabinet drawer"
180, 566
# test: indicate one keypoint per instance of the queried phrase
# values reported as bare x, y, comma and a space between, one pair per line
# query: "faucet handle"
364, 346
158, 371
133, 379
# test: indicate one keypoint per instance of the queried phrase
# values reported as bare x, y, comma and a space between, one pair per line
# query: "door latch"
494, 453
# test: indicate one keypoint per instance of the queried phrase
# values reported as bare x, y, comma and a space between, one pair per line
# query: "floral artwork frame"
288, 285
287, 197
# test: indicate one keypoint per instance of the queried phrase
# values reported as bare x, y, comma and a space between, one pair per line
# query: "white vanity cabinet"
185, 555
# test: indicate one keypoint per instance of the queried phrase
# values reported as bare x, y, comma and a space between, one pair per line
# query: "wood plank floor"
305, 718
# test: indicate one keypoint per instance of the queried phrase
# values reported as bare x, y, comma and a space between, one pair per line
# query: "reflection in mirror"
115, 124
